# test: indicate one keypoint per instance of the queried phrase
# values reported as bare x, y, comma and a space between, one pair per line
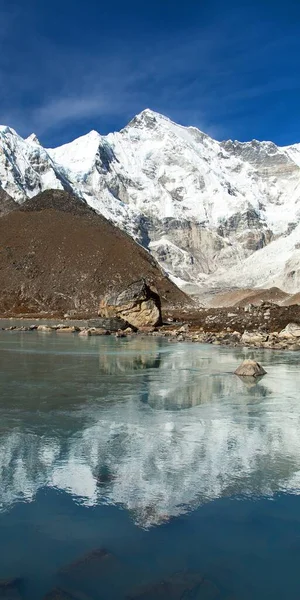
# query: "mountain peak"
5, 129
147, 118
79, 155
33, 139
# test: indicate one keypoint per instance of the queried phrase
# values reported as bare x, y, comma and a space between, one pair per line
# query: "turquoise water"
155, 452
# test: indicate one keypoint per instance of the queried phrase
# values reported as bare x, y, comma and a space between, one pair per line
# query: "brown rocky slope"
7, 204
57, 255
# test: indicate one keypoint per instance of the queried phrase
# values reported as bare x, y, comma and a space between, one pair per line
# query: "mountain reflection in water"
154, 427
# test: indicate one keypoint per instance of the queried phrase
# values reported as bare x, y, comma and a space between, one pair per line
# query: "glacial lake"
128, 462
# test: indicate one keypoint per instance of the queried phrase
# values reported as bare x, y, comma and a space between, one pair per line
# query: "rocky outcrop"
138, 305
250, 368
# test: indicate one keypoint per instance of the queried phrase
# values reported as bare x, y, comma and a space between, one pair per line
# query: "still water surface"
155, 452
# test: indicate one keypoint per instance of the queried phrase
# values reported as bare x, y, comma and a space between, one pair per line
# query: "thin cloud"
201, 77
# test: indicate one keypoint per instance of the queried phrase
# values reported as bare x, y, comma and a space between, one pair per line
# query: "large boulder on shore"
250, 368
138, 305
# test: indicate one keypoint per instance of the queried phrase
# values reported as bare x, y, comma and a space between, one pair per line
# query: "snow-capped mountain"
201, 207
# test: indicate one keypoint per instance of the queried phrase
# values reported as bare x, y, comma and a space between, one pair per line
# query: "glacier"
215, 215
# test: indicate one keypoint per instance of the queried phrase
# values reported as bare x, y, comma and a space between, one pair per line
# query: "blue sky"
230, 68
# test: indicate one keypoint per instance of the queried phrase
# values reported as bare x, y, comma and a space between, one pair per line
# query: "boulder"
292, 330
255, 337
138, 305
44, 328
250, 368
129, 330
99, 331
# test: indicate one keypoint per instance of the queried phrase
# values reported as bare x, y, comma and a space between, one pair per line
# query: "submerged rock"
60, 594
91, 561
9, 589
138, 304
96, 574
180, 585
250, 368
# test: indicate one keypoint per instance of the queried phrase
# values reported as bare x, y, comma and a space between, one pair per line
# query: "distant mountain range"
216, 215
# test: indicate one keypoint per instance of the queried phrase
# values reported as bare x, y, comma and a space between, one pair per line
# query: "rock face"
138, 305
250, 368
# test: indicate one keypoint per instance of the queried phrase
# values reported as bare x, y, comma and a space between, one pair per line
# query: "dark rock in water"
9, 589
60, 594
137, 304
180, 585
96, 574
250, 368
97, 558
100, 574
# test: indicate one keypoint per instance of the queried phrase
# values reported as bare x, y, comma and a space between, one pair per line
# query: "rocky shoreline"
266, 326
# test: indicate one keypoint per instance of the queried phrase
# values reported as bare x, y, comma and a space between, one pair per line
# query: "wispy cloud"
203, 76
